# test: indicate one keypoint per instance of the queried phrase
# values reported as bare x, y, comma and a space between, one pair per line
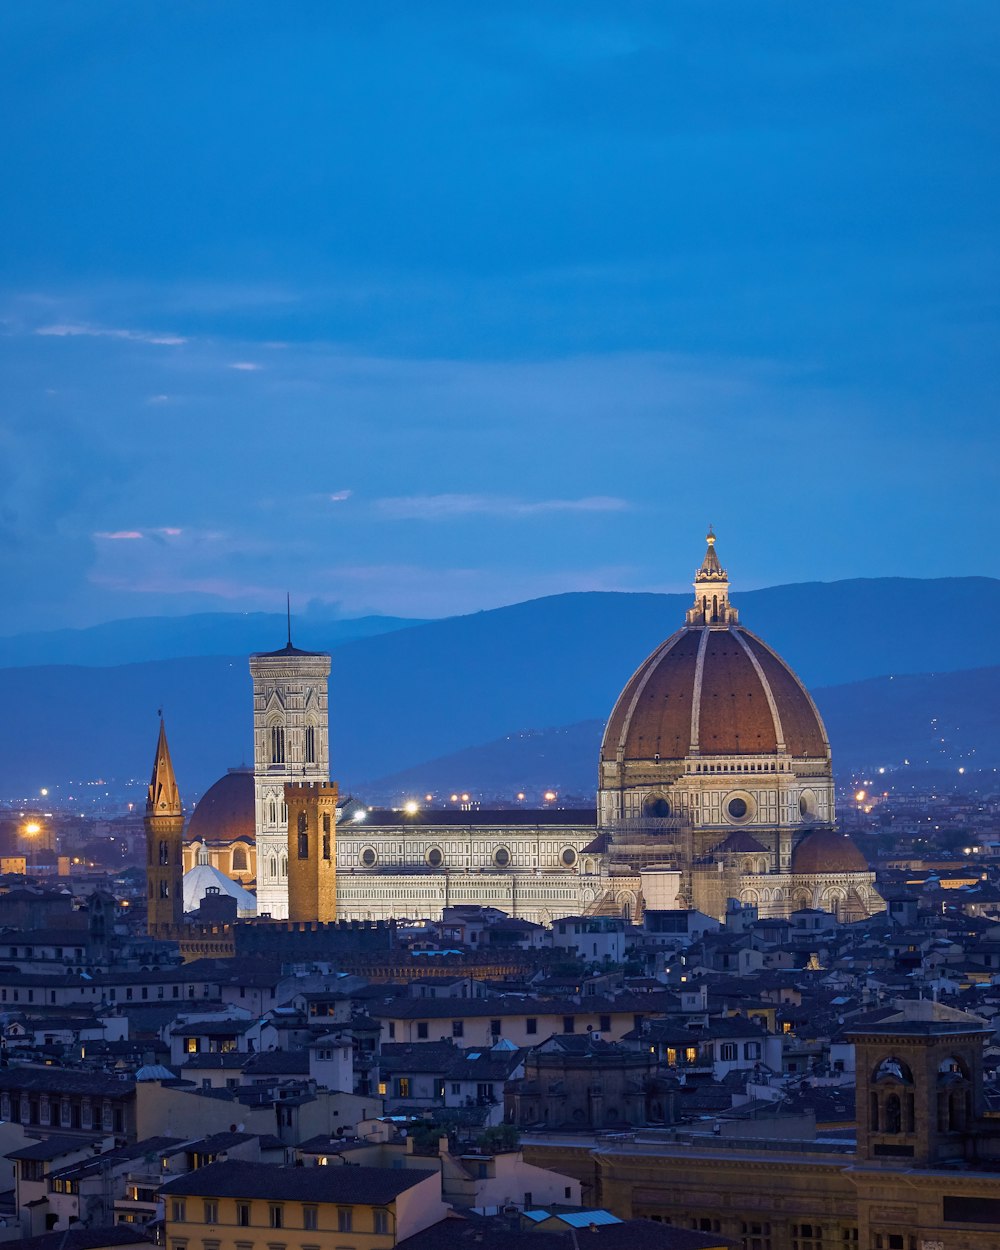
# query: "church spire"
711, 591
163, 797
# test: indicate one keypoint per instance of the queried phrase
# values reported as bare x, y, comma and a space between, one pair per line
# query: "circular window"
656, 805
501, 857
434, 857
807, 804
368, 857
739, 807
569, 857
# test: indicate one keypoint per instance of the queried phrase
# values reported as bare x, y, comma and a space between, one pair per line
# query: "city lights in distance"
360, 814
549, 796
411, 807
860, 796
32, 827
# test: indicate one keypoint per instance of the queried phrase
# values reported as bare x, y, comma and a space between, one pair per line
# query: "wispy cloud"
339, 496
158, 532
246, 366
445, 507
84, 330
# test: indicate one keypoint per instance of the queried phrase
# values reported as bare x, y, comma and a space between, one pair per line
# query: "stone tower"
164, 846
312, 851
919, 1077
291, 744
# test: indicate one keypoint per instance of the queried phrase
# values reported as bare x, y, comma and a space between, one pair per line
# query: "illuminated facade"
715, 782
291, 744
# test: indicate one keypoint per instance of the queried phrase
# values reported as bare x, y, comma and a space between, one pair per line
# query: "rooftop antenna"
288, 609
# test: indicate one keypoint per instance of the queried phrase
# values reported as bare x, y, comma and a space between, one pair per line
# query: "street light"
31, 830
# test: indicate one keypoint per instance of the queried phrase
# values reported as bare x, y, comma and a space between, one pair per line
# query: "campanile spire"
164, 846
163, 798
711, 591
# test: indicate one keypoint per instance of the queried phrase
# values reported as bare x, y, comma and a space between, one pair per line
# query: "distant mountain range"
423, 692
172, 637
937, 722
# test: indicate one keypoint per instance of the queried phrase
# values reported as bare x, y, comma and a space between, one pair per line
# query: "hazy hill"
170, 637
936, 721
430, 690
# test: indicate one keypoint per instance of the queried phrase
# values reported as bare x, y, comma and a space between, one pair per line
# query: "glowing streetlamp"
30, 830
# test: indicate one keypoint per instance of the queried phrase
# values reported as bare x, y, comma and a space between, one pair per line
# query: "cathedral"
715, 783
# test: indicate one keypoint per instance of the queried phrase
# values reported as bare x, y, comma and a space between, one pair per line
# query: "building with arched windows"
715, 783
291, 745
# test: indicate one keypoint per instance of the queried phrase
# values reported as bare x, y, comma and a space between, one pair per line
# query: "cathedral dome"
225, 811
713, 689
717, 691
826, 850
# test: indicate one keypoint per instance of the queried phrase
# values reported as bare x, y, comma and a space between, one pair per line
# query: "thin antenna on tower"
288, 608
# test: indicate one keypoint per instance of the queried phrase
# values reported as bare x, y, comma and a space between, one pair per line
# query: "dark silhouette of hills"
426, 691
145, 638
936, 721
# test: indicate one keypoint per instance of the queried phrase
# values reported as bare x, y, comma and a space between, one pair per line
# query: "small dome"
826, 850
155, 1072
204, 879
225, 811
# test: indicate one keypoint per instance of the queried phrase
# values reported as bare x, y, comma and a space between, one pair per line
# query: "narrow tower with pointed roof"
164, 846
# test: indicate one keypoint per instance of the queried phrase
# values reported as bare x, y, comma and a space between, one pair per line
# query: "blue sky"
428, 308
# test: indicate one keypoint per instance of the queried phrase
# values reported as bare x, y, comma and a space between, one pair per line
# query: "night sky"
425, 308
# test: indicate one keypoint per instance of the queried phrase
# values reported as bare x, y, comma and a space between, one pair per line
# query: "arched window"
272, 813
284, 867
239, 859
272, 868
893, 1115
310, 744
277, 744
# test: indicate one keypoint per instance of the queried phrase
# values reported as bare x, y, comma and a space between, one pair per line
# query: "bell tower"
164, 823
919, 1083
312, 852
290, 744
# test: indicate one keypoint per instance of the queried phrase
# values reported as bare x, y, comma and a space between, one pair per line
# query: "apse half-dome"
826, 850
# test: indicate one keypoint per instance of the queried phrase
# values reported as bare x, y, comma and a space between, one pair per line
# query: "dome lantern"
711, 591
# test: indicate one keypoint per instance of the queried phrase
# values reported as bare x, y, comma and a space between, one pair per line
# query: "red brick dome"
826, 850
713, 690
225, 811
